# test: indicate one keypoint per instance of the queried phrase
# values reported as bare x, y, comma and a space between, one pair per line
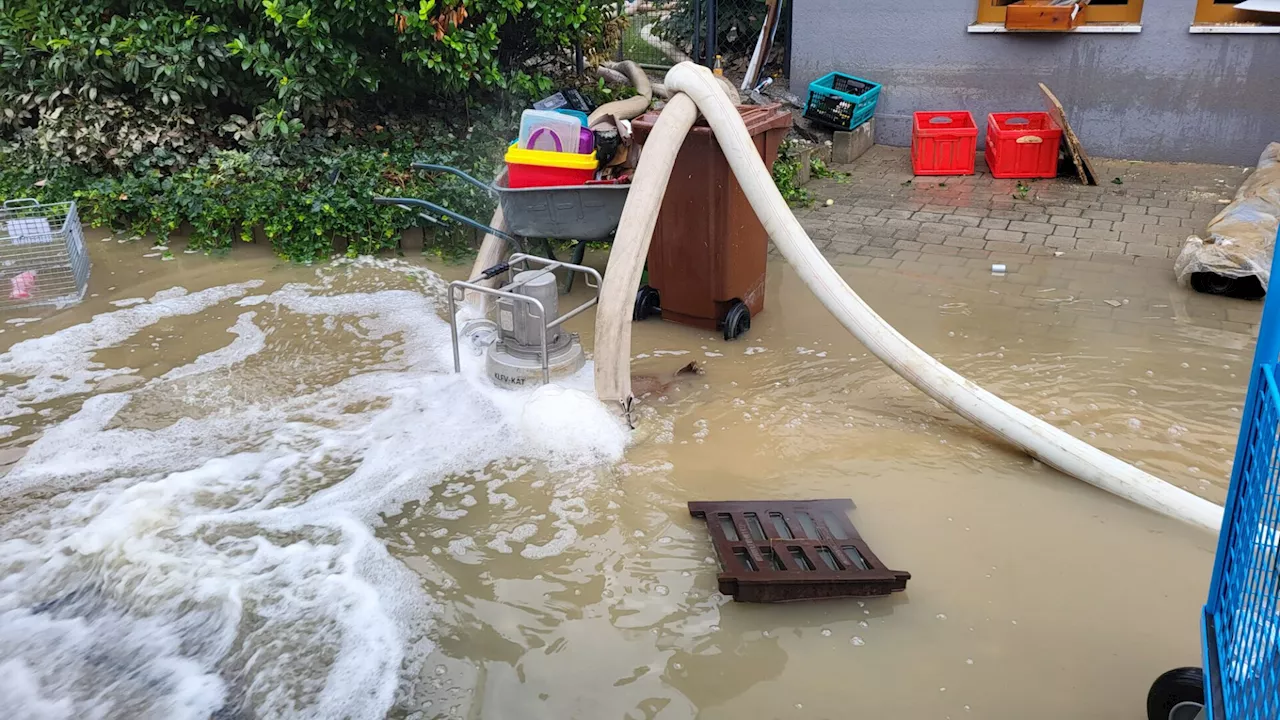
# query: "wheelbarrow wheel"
1176, 695
737, 321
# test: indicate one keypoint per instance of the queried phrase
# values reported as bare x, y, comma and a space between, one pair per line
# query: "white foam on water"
227, 563
249, 341
459, 547
60, 365
566, 511
520, 533
562, 422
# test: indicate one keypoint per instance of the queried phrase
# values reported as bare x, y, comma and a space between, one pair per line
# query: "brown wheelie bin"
707, 259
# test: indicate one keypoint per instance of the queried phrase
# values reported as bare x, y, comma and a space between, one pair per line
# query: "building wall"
1161, 94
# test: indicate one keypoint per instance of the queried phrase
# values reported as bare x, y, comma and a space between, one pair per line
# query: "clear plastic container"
549, 131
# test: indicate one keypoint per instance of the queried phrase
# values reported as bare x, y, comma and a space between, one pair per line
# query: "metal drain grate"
783, 550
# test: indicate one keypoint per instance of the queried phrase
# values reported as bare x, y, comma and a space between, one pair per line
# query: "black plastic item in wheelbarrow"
572, 212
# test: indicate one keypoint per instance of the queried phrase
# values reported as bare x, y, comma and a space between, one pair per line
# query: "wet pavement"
267, 495
1139, 213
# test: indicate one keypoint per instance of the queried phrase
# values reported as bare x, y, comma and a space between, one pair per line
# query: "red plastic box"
943, 143
1022, 145
545, 168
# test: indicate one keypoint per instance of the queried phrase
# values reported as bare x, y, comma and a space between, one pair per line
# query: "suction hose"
631, 246
612, 357
626, 108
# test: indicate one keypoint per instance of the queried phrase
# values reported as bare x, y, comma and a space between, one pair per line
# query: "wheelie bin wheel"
737, 321
1176, 695
647, 304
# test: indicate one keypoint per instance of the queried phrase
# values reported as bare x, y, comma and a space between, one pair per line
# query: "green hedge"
302, 195
284, 115
276, 56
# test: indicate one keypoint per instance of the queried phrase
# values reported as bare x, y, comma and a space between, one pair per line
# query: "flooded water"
243, 489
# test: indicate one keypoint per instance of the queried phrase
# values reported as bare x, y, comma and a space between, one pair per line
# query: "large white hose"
626, 108
1032, 435
631, 246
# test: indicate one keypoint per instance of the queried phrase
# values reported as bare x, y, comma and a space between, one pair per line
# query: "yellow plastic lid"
549, 158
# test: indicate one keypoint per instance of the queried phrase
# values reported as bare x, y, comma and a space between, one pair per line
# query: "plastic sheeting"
1240, 240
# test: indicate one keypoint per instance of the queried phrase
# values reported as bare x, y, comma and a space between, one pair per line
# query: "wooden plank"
763, 44
1084, 168
1036, 17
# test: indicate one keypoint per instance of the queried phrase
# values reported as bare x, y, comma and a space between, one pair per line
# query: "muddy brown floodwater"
238, 488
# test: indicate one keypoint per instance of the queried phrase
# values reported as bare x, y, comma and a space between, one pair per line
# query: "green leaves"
272, 8
251, 53
305, 195
222, 113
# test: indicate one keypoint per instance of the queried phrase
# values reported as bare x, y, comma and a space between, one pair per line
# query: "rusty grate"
783, 550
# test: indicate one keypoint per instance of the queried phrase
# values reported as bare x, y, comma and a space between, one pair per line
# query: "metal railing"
458, 288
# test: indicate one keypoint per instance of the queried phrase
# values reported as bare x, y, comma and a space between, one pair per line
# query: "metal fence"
660, 33
647, 38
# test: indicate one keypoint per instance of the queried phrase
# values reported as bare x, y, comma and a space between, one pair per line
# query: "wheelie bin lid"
758, 119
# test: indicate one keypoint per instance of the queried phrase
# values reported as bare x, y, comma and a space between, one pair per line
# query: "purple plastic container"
586, 140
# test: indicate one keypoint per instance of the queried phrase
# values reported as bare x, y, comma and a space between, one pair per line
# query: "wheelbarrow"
584, 213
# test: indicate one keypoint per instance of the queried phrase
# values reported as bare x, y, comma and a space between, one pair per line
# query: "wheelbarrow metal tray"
572, 212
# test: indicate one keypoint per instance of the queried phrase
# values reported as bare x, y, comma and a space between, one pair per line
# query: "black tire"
737, 321
648, 304
1241, 288
1183, 685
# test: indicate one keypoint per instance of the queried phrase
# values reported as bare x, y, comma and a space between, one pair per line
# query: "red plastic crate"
1022, 145
943, 143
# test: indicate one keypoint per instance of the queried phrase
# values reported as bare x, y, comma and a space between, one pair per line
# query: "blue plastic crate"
842, 101
1241, 620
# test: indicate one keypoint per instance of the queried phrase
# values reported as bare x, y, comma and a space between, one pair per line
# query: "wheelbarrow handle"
455, 171
415, 202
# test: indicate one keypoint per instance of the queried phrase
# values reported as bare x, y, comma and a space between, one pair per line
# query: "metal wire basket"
43, 260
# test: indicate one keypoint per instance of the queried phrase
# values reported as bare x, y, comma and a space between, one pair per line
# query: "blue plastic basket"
1241, 620
841, 101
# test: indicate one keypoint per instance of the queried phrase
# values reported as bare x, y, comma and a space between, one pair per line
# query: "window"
1097, 11
1224, 12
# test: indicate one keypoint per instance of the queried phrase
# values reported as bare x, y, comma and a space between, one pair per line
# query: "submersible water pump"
526, 344
515, 359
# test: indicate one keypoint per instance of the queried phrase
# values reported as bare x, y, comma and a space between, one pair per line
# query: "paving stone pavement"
883, 216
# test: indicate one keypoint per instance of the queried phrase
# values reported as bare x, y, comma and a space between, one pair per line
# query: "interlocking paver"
1143, 221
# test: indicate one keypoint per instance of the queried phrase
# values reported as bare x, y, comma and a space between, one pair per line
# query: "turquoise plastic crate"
842, 101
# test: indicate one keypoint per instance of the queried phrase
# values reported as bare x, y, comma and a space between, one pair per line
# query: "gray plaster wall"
1161, 94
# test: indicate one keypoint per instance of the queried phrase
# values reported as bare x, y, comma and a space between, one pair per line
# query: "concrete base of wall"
849, 146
